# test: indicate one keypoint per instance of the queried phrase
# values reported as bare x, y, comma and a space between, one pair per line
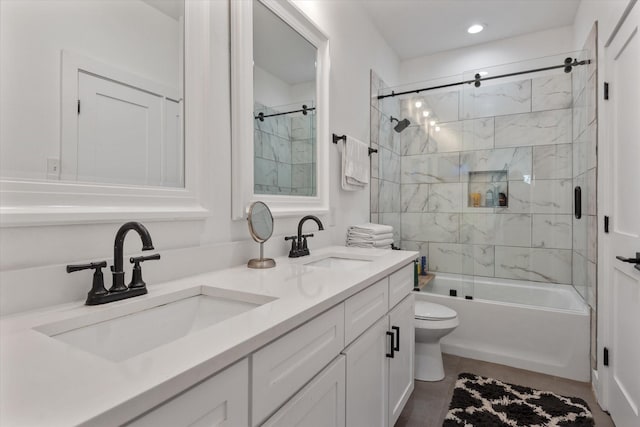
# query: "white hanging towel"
355, 164
371, 228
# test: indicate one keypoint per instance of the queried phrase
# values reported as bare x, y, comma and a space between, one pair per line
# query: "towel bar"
337, 138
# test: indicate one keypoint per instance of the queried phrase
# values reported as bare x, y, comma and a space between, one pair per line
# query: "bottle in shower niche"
489, 199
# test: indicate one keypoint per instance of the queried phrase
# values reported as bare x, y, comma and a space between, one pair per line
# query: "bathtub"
535, 326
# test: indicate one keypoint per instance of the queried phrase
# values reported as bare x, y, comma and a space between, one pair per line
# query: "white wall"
355, 48
32, 35
514, 49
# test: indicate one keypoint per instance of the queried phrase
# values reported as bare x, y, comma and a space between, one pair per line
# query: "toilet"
432, 322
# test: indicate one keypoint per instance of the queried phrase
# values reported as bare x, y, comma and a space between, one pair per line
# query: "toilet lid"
430, 311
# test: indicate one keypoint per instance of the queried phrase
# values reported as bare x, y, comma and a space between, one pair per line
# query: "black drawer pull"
391, 354
577, 202
396, 346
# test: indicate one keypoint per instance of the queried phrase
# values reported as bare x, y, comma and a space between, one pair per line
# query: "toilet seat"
425, 310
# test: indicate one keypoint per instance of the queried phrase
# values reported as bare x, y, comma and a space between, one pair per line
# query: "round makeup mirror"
261, 228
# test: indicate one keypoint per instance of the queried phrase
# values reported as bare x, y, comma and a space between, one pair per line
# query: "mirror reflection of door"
284, 107
127, 135
118, 121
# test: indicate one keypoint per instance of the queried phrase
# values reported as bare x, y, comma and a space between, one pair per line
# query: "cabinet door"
221, 400
367, 373
281, 368
320, 403
401, 365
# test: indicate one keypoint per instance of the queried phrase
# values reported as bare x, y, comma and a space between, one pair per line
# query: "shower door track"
569, 63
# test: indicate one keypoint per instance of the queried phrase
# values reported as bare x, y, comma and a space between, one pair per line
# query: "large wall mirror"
93, 99
280, 67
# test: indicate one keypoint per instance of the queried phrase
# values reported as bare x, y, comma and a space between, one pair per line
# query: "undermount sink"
125, 335
339, 263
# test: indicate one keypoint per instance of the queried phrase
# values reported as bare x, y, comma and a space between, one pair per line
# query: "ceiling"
422, 27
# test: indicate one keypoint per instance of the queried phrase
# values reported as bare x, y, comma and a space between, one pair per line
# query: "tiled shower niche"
488, 189
518, 132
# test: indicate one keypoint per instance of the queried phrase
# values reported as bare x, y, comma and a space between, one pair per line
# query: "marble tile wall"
385, 164
524, 128
284, 150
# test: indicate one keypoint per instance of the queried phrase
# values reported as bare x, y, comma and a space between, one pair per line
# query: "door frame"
606, 256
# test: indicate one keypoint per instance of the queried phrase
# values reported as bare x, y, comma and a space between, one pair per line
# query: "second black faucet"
299, 243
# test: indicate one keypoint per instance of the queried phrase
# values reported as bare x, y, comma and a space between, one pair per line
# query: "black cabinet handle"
396, 347
391, 354
577, 202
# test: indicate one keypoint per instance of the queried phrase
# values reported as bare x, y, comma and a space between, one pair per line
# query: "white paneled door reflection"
127, 135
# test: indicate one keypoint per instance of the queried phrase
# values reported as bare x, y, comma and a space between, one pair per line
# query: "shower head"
402, 124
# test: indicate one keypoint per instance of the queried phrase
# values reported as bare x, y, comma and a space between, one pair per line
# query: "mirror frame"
242, 132
35, 203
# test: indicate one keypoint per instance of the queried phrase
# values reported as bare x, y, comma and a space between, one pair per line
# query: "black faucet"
118, 291
117, 268
299, 243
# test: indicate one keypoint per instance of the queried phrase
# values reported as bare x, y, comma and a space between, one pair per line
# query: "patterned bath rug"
483, 402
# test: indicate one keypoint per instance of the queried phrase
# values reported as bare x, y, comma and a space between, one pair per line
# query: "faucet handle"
293, 253
139, 259
93, 265
97, 286
136, 277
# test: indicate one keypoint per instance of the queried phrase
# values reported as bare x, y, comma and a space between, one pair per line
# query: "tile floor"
429, 403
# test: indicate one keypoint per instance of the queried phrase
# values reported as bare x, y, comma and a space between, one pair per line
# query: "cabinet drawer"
319, 403
221, 400
364, 308
281, 368
400, 284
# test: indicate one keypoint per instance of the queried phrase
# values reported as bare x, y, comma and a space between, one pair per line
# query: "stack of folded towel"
370, 235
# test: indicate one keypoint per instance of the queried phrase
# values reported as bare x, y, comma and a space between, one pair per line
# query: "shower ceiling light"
418, 104
425, 113
475, 28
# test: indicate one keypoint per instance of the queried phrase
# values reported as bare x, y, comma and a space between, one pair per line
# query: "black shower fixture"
402, 124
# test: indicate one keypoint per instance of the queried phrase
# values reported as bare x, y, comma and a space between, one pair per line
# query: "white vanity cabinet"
320, 403
221, 400
401, 365
349, 366
380, 362
282, 367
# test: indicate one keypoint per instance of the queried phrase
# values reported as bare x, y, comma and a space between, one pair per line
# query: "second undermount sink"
339, 263
125, 335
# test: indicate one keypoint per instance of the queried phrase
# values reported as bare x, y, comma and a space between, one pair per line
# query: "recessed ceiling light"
437, 128
432, 122
425, 113
418, 104
475, 28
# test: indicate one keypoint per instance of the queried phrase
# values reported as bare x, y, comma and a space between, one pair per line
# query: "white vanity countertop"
44, 381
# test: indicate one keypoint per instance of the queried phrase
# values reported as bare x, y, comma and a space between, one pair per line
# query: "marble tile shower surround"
284, 150
385, 165
526, 127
